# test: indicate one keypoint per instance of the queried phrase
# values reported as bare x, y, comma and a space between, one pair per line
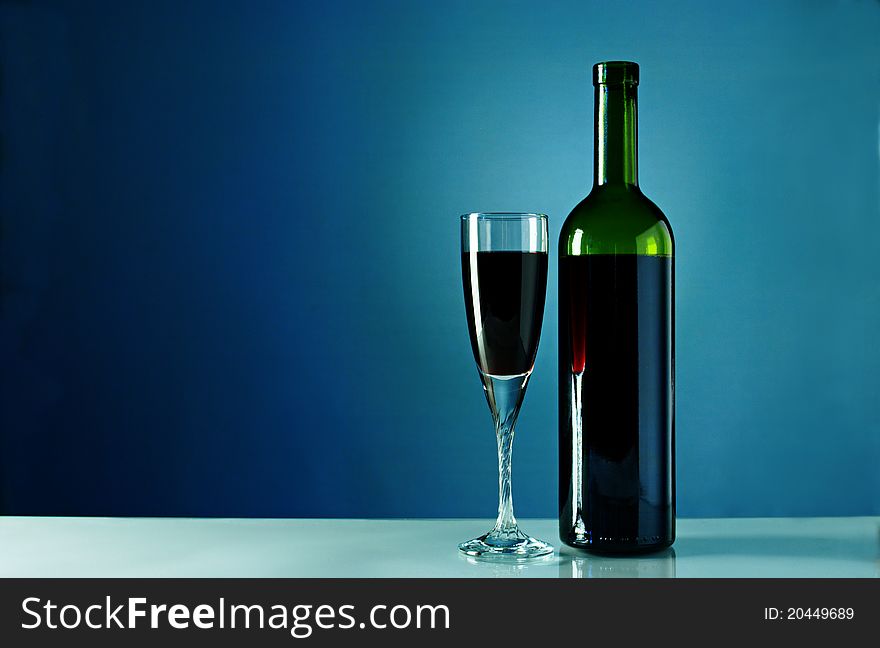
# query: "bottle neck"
616, 149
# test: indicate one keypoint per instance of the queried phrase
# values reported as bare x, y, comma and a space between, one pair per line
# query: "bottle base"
612, 549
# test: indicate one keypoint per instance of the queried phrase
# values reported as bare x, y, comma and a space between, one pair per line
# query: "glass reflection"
503, 567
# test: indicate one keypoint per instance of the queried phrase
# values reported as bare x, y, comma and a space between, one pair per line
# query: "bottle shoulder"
616, 221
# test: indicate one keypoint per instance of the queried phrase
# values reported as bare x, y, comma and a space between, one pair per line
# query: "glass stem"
506, 522
505, 396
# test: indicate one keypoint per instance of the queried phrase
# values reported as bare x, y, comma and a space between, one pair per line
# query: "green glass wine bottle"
616, 345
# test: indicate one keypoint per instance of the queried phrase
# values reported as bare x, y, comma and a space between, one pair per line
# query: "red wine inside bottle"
504, 297
616, 345
616, 342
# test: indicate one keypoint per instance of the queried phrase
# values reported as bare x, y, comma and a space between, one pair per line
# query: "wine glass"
504, 271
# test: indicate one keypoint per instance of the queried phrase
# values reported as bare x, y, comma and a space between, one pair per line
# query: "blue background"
229, 248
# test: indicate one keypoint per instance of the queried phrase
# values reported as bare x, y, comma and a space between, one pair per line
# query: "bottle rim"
615, 73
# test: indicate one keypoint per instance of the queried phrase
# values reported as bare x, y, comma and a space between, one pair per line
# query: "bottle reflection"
877, 561
576, 564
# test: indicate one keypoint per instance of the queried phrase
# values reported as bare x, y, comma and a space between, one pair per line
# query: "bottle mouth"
616, 73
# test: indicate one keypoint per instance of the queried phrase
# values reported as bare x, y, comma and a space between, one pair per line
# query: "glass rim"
513, 216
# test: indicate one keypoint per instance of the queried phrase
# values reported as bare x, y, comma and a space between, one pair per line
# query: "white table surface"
162, 547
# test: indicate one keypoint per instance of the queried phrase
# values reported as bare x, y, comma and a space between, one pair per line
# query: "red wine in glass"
504, 297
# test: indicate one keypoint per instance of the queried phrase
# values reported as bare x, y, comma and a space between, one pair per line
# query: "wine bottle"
616, 345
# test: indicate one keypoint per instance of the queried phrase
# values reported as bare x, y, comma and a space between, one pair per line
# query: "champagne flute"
504, 271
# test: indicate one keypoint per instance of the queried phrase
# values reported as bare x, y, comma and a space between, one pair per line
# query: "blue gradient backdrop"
229, 248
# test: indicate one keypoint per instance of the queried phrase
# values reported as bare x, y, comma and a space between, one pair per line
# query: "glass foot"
513, 544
